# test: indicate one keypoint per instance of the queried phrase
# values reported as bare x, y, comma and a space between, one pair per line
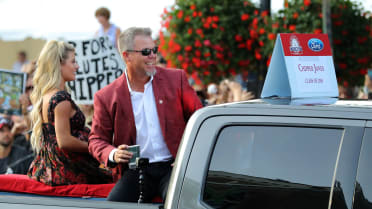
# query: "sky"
74, 19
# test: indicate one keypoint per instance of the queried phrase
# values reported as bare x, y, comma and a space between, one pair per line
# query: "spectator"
212, 94
231, 91
22, 59
149, 106
107, 28
59, 136
13, 158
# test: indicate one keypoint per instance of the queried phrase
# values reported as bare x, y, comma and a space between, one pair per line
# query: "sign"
12, 86
301, 67
100, 64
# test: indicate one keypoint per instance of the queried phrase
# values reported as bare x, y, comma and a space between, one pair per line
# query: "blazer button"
160, 101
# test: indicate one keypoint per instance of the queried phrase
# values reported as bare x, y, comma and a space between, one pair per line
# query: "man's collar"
129, 88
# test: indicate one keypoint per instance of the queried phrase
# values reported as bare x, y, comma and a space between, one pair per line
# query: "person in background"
59, 136
22, 59
147, 106
107, 28
13, 158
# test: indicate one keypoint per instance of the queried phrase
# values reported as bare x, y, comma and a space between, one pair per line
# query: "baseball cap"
5, 122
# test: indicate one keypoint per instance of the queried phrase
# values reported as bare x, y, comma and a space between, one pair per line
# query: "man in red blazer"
148, 106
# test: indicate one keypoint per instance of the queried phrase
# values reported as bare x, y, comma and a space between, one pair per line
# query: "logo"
295, 47
315, 45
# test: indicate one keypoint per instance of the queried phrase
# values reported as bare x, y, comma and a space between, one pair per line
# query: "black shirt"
17, 162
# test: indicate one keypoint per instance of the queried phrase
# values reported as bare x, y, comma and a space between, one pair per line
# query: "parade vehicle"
268, 153
297, 147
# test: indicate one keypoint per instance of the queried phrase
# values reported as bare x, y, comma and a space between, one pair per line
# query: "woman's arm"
65, 140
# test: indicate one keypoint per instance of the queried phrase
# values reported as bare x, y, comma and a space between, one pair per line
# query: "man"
22, 59
148, 106
13, 158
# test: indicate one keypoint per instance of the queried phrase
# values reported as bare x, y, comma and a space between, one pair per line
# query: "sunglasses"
146, 51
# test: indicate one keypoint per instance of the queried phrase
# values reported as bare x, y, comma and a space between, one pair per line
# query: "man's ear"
126, 56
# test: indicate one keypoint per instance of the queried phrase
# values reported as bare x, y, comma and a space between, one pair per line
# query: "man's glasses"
146, 51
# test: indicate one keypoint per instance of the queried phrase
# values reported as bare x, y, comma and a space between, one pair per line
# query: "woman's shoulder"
55, 97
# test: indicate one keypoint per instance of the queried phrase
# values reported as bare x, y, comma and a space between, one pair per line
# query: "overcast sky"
74, 19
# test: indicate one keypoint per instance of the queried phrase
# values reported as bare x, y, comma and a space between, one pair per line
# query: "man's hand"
122, 155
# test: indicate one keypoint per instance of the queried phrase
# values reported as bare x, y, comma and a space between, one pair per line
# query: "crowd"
58, 142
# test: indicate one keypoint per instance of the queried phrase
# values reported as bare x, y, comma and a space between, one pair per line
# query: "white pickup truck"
260, 154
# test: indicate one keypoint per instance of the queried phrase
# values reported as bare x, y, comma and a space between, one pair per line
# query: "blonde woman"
59, 136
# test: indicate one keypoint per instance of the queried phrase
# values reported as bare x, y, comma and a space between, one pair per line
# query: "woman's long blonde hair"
47, 76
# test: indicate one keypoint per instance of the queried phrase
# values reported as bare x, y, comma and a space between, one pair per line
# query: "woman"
107, 28
59, 137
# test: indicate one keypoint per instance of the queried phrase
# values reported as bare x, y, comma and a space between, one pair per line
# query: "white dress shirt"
149, 134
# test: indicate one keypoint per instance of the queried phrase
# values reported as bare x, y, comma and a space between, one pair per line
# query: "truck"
265, 153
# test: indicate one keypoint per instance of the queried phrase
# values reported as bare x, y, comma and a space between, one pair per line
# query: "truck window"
363, 187
272, 167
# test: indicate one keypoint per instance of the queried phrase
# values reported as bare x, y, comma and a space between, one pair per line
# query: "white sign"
301, 67
100, 64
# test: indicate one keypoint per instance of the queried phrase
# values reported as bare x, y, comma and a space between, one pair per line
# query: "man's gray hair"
126, 38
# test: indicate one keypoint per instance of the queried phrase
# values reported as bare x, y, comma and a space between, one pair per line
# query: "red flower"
212, 9
268, 61
275, 25
257, 55
214, 25
292, 27
207, 54
189, 31
188, 48
256, 12
264, 13
180, 14
245, 17
232, 72
307, 2
192, 7
207, 42
185, 65
206, 73
249, 44
261, 31
194, 14
200, 14
286, 3
255, 21
180, 58
219, 55
271, 36
197, 53
187, 19
241, 45
320, 15
337, 41
342, 66
363, 71
338, 23
197, 43
215, 18
346, 84
238, 38
253, 34
295, 15
317, 31
261, 43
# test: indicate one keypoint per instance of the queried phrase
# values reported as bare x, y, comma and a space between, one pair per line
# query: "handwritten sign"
301, 67
100, 64
12, 86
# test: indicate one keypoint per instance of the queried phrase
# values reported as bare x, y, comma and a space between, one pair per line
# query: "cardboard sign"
301, 67
100, 64
12, 86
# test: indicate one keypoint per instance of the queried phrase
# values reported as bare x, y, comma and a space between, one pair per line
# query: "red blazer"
113, 119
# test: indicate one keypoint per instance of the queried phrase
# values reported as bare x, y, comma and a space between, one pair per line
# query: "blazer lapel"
157, 86
125, 109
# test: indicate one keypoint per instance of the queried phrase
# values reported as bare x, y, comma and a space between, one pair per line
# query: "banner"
12, 86
301, 67
100, 64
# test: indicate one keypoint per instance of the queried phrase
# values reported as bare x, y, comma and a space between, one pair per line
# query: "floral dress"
55, 166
